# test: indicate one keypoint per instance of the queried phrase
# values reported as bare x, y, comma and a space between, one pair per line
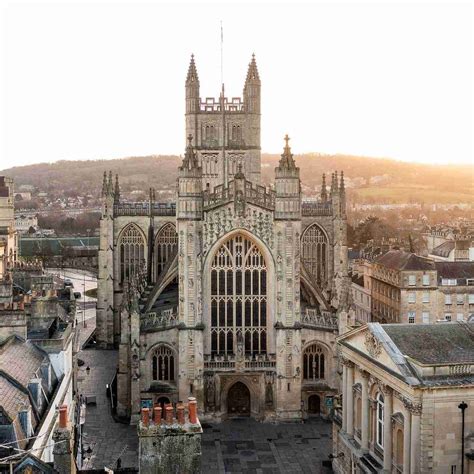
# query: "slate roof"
20, 359
444, 249
11, 398
446, 343
455, 269
401, 260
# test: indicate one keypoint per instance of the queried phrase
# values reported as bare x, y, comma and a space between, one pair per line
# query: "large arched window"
314, 251
132, 251
162, 364
379, 420
238, 298
313, 363
166, 245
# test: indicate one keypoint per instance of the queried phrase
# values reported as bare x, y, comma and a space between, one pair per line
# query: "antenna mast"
224, 158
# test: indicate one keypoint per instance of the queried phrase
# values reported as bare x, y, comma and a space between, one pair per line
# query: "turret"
287, 186
117, 190
342, 194
192, 88
252, 89
190, 185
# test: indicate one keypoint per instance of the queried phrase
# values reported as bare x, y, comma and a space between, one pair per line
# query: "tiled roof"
401, 260
20, 359
11, 398
444, 343
455, 269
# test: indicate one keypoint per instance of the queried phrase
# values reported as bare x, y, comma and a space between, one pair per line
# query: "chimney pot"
169, 414
63, 416
192, 406
180, 415
157, 415
145, 416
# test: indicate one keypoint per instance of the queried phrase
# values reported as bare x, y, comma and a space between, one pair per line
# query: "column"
350, 399
406, 441
365, 411
344, 397
387, 429
415, 438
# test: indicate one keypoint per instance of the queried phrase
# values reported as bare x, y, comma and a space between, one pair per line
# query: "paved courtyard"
235, 446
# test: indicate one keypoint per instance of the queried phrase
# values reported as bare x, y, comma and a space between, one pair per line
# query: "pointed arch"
314, 362
315, 252
166, 246
131, 245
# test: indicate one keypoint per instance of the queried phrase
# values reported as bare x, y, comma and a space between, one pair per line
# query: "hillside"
368, 179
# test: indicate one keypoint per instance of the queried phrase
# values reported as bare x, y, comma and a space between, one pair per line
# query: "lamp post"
462, 406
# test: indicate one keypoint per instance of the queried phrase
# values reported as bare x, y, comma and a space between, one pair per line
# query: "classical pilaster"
344, 398
365, 410
350, 399
415, 410
387, 429
406, 441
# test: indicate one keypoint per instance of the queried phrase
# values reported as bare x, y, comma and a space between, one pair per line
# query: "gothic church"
235, 294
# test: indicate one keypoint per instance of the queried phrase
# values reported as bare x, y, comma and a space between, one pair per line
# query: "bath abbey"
235, 293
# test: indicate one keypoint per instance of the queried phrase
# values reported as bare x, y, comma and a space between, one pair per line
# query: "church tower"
225, 126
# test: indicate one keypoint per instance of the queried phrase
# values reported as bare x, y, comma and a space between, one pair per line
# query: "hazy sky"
105, 80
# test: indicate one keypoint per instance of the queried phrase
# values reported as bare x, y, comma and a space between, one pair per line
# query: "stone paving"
247, 446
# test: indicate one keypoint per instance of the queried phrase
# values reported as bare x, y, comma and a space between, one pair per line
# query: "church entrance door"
238, 400
314, 405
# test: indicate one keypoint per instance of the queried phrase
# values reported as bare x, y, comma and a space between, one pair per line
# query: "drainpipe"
462, 406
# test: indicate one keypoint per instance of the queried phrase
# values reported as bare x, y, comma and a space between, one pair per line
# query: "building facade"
404, 387
233, 295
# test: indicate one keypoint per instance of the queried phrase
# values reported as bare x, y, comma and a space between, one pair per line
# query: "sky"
94, 80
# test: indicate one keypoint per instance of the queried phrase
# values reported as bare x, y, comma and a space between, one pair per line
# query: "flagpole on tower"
224, 159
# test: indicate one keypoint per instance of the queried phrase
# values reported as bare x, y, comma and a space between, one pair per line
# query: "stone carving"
373, 345
218, 222
413, 407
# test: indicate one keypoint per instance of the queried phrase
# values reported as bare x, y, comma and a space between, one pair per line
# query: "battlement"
211, 104
313, 208
143, 209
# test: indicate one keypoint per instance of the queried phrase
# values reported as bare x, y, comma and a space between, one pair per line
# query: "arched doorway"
238, 400
162, 402
314, 405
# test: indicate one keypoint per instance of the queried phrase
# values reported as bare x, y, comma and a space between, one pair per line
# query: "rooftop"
455, 269
401, 260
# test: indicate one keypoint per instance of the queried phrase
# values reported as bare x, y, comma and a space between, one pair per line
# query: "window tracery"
162, 364
132, 251
238, 298
313, 363
166, 245
314, 252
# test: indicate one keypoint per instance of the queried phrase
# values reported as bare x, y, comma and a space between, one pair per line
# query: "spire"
110, 185
332, 183
117, 189
286, 160
190, 160
334, 186
252, 72
341, 186
192, 76
324, 191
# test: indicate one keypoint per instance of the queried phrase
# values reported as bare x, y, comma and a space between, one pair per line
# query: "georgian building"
233, 295
402, 393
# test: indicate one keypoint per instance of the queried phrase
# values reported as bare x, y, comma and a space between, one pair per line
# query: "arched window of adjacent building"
313, 363
162, 364
379, 420
314, 252
166, 246
132, 251
238, 298
399, 452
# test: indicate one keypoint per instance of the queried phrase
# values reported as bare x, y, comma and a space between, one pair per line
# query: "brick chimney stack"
63, 444
171, 443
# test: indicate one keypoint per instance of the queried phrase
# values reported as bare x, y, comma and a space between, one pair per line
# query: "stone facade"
402, 387
233, 295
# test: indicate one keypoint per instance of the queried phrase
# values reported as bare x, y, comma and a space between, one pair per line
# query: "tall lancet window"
132, 251
314, 248
166, 245
313, 363
238, 298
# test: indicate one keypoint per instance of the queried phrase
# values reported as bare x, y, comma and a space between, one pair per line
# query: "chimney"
172, 446
63, 438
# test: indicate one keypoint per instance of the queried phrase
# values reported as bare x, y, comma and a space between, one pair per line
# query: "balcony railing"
250, 363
